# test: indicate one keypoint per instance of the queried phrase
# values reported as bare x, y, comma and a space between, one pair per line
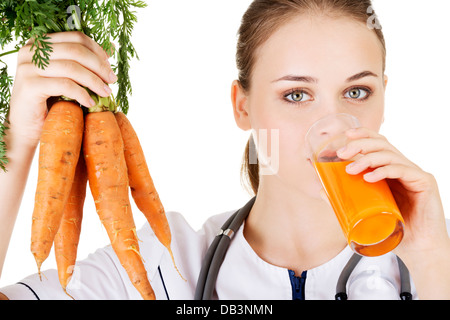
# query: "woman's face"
309, 68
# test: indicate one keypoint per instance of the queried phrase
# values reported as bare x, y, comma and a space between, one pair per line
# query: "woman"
298, 61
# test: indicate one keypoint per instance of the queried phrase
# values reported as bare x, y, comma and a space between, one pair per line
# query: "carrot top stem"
102, 103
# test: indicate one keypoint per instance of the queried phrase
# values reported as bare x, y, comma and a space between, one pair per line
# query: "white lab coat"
243, 275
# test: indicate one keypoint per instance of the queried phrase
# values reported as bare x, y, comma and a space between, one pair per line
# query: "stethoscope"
216, 253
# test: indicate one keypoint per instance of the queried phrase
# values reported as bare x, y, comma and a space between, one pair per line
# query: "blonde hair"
262, 19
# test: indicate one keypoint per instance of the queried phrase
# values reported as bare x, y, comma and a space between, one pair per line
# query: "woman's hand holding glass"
415, 191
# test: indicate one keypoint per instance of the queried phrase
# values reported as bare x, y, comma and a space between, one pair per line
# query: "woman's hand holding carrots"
76, 61
102, 143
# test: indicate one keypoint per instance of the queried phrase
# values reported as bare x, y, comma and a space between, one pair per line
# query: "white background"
182, 112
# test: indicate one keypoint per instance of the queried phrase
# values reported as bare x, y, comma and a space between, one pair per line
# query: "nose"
331, 106
329, 128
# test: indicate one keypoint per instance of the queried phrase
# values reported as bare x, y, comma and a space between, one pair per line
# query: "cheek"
281, 148
372, 121
280, 136
372, 115
292, 143
293, 162
295, 170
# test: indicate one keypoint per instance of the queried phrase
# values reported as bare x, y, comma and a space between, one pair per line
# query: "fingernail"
369, 176
107, 89
341, 150
350, 166
354, 168
112, 77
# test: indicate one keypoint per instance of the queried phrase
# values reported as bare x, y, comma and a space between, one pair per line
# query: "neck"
291, 229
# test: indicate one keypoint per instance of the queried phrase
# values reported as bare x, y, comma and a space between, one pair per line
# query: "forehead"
319, 46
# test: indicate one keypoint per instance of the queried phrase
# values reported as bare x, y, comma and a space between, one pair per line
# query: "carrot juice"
367, 212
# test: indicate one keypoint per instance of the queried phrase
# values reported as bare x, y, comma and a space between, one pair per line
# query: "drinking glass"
367, 212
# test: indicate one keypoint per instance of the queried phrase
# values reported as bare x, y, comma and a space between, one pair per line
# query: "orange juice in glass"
367, 212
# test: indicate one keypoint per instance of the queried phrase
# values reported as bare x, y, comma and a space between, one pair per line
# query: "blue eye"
358, 94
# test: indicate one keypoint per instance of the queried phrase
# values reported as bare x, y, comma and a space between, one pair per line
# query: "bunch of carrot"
102, 148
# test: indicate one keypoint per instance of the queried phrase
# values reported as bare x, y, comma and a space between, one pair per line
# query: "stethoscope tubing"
207, 262
216, 253
341, 286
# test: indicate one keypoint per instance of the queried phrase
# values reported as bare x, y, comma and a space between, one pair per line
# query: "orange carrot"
59, 150
141, 184
108, 181
68, 235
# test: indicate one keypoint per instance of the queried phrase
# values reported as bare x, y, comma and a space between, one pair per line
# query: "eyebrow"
309, 79
361, 75
297, 78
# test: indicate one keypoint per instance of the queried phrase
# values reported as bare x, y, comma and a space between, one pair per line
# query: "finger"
406, 174
364, 146
374, 160
72, 37
81, 38
80, 54
55, 87
75, 72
